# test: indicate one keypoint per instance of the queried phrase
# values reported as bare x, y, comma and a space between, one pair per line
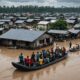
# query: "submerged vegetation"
35, 9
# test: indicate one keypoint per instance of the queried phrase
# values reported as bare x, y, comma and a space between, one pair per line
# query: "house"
7, 23
1, 31
74, 33
43, 25
2, 24
49, 18
22, 18
77, 26
59, 34
25, 38
20, 24
70, 23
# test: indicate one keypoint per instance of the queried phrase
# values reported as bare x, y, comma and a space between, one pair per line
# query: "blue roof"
22, 35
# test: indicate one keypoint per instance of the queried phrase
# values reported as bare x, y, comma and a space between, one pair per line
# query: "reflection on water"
68, 69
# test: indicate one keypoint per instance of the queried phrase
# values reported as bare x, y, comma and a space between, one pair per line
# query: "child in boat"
21, 58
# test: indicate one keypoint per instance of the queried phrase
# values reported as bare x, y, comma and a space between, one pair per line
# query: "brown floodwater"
68, 69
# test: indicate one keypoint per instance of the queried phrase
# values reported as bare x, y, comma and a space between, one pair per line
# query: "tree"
59, 25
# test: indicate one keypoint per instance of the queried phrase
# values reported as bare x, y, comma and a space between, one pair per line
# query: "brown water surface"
68, 69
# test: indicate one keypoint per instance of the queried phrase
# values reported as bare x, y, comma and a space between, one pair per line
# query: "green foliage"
36, 9
59, 25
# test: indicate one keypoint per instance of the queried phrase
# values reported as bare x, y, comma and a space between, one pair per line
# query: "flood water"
68, 69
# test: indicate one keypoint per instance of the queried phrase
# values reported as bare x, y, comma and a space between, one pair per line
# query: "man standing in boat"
21, 58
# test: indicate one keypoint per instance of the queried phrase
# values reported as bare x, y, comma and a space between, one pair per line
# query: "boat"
23, 67
74, 49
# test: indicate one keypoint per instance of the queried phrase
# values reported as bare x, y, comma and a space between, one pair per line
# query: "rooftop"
22, 35
43, 22
58, 31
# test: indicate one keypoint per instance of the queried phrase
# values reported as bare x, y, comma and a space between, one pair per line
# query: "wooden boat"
74, 49
22, 67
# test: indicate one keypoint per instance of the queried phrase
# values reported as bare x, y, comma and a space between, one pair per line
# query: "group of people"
43, 57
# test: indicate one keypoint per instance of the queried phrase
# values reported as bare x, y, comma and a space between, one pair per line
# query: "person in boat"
52, 51
52, 54
30, 62
33, 57
21, 58
37, 56
48, 53
27, 61
63, 51
40, 60
44, 53
57, 52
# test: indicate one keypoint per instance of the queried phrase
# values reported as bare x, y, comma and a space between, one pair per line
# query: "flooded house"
74, 33
59, 34
22, 38
43, 25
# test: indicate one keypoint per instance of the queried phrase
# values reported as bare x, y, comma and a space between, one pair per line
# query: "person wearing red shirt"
27, 60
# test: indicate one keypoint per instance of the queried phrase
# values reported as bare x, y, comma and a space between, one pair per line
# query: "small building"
77, 26
20, 24
74, 33
43, 25
1, 31
7, 23
71, 23
2, 24
25, 38
59, 34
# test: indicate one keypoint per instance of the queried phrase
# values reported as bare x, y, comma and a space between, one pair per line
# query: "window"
41, 41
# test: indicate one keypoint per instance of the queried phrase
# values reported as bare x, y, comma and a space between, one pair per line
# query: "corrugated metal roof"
2, 23
43, 22
22, 34
77, 26
1, 29
19, 21
4, 20
30, 20
74, 31
58, 32
70, 21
